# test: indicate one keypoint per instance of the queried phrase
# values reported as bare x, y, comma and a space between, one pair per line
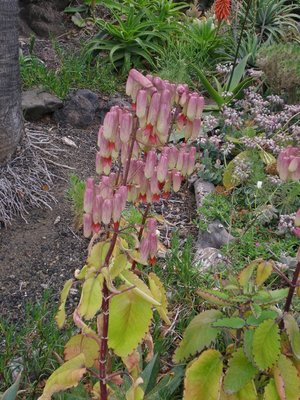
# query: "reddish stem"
145, 215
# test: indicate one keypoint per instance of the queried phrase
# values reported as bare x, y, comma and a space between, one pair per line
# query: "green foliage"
216, 207
271, 20
75, 71
281, 66
254, 357
75, 194
225, 92
138, 38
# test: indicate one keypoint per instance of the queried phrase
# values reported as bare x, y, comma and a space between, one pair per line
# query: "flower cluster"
232, 117
224, 69
153, 100
222, 9
134, 160
286, 223
288, 164
242, 170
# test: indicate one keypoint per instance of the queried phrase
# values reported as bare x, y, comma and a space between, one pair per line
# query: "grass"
31, 344
74, 72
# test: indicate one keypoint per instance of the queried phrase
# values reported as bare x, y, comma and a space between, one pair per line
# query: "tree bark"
11, 118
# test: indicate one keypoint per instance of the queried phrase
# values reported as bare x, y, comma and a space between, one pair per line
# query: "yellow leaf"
98, 254
131, 279
159, 293
61, 314
246, 273
118, 265
135, 392
203, 377
65, 377
264, 270
91, 297
82, 344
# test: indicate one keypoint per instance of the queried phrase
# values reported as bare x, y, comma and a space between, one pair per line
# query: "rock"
202, 189
215, 236
79, 109
36, 103
209, 258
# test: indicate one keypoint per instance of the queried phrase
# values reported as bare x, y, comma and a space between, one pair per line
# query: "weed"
75, 194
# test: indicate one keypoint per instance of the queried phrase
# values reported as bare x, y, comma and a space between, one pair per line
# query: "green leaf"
231, 323
60, 317
266, 344
12, 392
129, 319
270, 296
270, 392
246, 274
292, 330
150, 374
198, 335
141, 289
203, 377
82, 344
248, 392
287, 381
256, 310
240, 371
98, 254
91, 297
248, 344
215, 297
265, 314
210, 89
238, 73
118, 265
264, 270
159, 293
65, 377
267, 158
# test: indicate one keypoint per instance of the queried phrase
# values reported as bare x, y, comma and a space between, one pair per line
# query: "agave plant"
271, 19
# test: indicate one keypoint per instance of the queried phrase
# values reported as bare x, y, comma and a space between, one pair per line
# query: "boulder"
37, 103
79, 109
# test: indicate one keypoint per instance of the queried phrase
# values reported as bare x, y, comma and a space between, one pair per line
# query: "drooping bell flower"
177, 179
188, 130
200, 106
192, 107
89, 183
288, 163
107, 208
123, 192
140, 78
150, 164
162, 125
144, 250
110, 125
153, 109
87, 225
185, 164
196, 128
88, 200
126, 124
173, 155
222, 9
162, 168
97, 209
153, 244
117, 207
141, 105
192, 159
151, 225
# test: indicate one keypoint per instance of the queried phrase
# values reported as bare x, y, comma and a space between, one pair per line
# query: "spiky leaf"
82, 344
129, 319
264, 270
270, 392
141, 289
215, 297
265, 314
239, 372
91, 297
198, 335
266, 344
159, 293
65, 377
292, 330
287, 380
231, 323
60, 317
270, 296
203, 377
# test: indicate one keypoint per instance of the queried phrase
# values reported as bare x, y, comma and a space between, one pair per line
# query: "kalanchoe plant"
136, 164
288, 164
261, 343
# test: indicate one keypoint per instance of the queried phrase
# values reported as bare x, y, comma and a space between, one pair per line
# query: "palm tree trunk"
11, 119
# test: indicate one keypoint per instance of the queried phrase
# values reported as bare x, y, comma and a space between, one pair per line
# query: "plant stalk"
292, 288
145, 215
239, 43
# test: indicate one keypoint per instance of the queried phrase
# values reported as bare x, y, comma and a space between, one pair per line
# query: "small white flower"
259, 184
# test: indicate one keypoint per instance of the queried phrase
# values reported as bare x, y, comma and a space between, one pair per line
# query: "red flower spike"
222, 8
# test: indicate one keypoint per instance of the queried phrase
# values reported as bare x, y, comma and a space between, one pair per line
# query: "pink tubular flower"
297, 218
107, 211
117, 207
88, 200
126, 124
185, 164
110, 124
87, 225
153, 109
200, 106
192, 107
162, 168
177, 179
150, 164
97, 209
162, 125
144, 250
140, 78
153, 244
141, 104
288, 164
192, 158
196, 128
173, 155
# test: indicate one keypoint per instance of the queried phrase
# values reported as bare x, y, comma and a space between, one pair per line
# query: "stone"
114, 101
37, 103
202, 189
79, 109
215, 236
